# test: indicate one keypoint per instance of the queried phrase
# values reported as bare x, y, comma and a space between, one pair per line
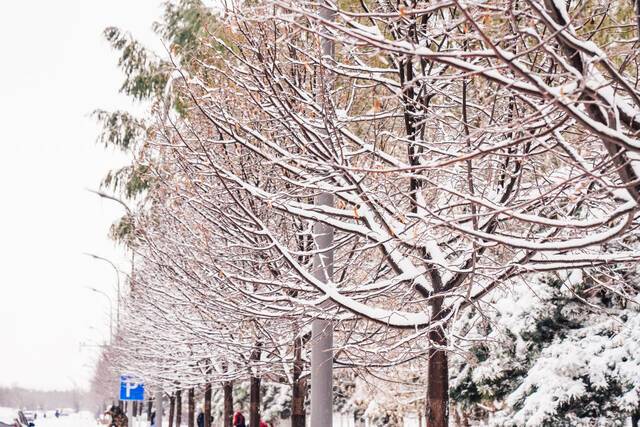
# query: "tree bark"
254, 406
254, 392
299, 386
437, 402
178, 408
207, 405
227, 415
438, 370
191, 402
149, 409
172, 409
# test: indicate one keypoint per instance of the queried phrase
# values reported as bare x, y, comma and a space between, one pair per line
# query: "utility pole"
159, 408
322, 330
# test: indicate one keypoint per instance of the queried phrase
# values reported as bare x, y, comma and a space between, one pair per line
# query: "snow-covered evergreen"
558, 350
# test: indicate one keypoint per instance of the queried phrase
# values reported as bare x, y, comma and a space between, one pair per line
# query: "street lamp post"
99, 258
130, 214
106, 196
110, 311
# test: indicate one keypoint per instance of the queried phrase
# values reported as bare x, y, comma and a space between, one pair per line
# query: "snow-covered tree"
560, 350
465, 145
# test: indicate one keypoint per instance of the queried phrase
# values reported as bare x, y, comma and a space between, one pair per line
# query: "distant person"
238, 419
118, 417
263, 424
153, 419
200, 419
57, 413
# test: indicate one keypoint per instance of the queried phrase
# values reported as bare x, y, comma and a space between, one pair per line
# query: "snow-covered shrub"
558, 350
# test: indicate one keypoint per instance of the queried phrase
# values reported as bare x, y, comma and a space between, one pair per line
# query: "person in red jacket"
263, 424
238, 419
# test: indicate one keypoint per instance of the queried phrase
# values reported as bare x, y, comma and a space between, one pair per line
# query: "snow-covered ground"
86, 419
82, 419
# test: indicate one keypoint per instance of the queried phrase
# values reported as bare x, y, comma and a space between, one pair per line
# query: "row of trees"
19, 397
373, 181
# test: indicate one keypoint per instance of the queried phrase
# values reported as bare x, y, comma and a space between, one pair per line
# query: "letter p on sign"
130, 386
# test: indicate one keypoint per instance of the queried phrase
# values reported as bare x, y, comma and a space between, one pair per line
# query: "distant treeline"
17, 397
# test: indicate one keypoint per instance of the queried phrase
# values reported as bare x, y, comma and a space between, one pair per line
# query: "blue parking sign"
131, 388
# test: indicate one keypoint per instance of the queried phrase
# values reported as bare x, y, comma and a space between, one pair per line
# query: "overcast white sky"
57, 68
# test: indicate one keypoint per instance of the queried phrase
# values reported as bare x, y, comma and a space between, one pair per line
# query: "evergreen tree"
563, 349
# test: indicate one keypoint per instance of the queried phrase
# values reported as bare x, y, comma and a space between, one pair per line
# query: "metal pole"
158, 401
94, 256
322, 374
110, 311
130, 413
322, 330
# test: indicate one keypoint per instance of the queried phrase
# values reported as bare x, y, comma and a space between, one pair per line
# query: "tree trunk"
191, 402
254, 391
178, 408
437, 410
172, 409
254, 403
227, 415
149, 409
299, 387
207, 405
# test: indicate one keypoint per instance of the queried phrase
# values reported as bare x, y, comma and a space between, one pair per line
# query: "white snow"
80, 419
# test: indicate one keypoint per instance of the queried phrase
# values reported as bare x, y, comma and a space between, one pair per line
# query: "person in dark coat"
200, 419
118, 417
